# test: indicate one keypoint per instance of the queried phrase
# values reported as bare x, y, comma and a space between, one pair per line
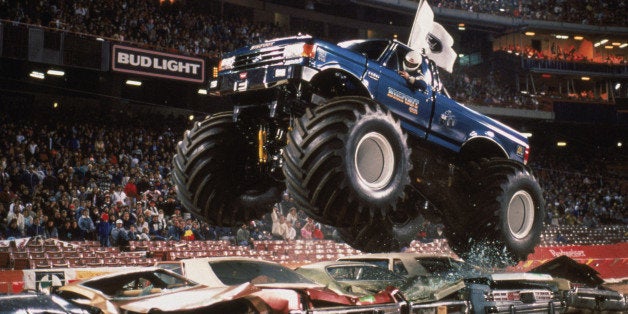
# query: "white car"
231, 270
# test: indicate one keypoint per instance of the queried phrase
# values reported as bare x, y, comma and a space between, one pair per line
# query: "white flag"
431, 37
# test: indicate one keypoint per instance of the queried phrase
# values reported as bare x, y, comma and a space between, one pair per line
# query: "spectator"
119, 236
65, 231
243, 236
86, 225
317, 234
144, 236
175, 231
156, 228
12, 230
292, 217
36, 228
307, 230
290, 233
50, 230
105, 227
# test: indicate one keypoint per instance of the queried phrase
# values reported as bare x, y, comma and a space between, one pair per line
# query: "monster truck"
358, 149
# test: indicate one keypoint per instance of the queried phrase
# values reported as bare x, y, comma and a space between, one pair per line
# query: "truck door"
449, 127
413, 106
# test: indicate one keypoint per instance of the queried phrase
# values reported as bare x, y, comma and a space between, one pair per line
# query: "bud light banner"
158, 64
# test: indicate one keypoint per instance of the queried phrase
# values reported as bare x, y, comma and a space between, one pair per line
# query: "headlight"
226, 64
299, 50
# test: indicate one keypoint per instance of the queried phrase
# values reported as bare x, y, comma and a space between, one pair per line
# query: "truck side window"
395, 61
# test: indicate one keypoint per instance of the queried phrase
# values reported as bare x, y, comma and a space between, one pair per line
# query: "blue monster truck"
358, 149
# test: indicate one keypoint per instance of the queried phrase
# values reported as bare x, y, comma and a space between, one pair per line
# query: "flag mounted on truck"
432, 38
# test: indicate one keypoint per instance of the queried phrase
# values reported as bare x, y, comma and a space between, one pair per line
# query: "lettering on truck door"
411, 104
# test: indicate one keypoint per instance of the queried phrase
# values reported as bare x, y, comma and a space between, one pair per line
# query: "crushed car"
156, 290
514, 293
584, 289
37, 302
409, 264
146, 290
274, 278
352, 278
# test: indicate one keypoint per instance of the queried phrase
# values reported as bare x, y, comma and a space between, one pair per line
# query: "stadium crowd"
89, 173
600, 12
187, 27
92, 173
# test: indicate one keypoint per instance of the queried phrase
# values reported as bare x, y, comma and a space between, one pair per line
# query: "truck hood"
496, 126
268, 44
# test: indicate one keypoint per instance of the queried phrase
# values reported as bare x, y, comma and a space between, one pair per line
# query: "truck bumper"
254, 79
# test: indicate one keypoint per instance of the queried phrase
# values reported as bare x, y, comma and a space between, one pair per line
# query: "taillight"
526, 155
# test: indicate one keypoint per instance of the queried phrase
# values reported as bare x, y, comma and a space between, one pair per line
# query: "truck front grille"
259, 58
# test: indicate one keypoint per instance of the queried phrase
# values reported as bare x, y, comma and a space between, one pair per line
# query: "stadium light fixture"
561, 144
620, 144
461, 26
597, 44
578, 37
55, 105
608, 47
37, 75
585, 78
202, 91
133, 83
616, 44
617, 86
603, 41
623, 45
191, 117
530, 33
55, 72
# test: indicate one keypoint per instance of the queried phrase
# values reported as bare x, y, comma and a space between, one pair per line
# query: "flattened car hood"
194, 298
567, 268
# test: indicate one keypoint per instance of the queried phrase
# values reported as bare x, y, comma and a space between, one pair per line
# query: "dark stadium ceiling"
34, 78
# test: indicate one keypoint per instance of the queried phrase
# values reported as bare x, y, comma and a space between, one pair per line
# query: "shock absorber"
262, 154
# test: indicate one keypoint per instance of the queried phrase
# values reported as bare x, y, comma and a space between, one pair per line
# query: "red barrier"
11, 281
17, 287
610, 261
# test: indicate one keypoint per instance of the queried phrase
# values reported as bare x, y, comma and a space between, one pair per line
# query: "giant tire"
347, 165
208, 171
503, 219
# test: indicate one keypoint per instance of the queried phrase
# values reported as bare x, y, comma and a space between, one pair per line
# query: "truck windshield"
372, 49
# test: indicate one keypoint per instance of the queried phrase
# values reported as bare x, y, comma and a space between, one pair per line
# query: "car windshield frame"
114, 286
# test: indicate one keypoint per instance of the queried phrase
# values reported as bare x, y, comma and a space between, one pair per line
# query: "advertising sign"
157, 64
